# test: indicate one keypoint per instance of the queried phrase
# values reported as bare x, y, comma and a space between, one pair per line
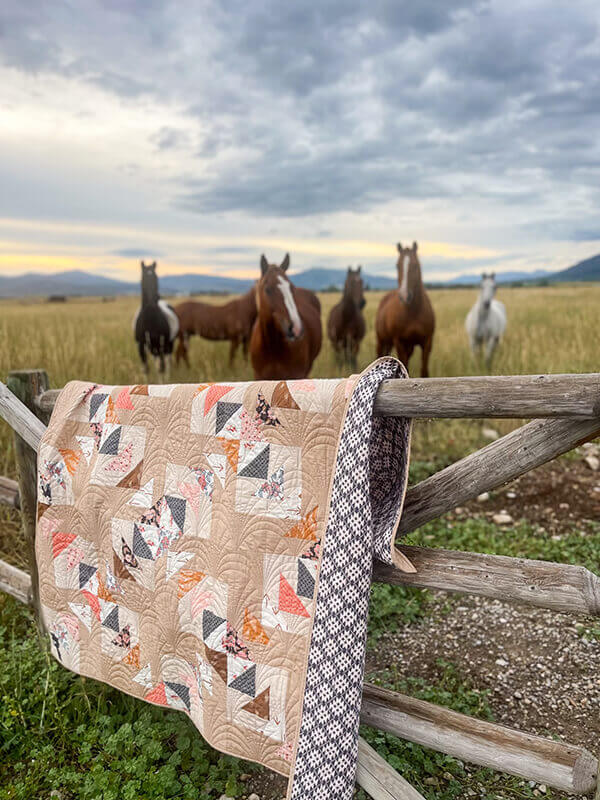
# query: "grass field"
87, 741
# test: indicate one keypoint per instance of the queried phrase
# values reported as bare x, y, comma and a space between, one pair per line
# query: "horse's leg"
425, 353
490, 346
142, 352
354, 345
401, 350
384, 347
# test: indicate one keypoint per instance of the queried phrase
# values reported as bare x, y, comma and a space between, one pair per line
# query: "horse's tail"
182, 350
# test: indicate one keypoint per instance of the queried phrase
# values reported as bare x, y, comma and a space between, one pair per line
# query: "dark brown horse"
346, 324
286, 337
405, 317
232, 321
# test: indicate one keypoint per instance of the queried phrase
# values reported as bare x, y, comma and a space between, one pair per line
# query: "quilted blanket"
209, 548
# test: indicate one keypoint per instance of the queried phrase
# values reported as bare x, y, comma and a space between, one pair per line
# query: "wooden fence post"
27, 385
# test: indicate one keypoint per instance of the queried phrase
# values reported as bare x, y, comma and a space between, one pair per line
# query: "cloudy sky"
203, 136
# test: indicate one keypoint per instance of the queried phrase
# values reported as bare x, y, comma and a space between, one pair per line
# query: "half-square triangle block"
224, 413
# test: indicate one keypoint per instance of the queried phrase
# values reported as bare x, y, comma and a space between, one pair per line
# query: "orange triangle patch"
124, 400
60, 541
201, 388
253, 630
133, 657
232, 451
282, 397
306, 528
260, 706
103, 592
71, 459
214, 394
289, 600
157, 695
134, 479
111, 414
188, 578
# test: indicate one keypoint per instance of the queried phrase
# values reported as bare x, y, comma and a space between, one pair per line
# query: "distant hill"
77, 283
587, 270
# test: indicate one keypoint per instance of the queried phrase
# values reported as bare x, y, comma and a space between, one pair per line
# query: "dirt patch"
558, 497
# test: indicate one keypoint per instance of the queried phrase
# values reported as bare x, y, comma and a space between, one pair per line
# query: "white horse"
486, 321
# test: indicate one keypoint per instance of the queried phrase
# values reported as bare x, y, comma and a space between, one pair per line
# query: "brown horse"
286, 337
346, 324
405, 317
232, 321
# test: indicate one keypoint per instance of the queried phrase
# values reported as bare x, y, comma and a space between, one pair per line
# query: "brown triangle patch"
232, 451
133, 657
120, 570
260, 706
218, 662
41, 510
139, 389
282, 397
134, 479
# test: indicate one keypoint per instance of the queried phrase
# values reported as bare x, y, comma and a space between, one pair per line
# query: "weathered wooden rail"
567, 412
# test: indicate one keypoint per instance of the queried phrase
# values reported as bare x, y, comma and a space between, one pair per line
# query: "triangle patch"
218, 662
232, 451
306, 582
157, 695
86, 571
140, 389
111, 620
289, 600
181, 691
110, 446
306, 528
260, 706
187, 580
282, 397
133, 479
124, 400
71, 459
133, 657
245, 682
139, 545
258, 467
210, 622
177, 506
252, 630
215, 393
61, 540
224, 412
144, 676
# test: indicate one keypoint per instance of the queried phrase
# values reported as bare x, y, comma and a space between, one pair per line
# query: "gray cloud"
136, 252
308, 110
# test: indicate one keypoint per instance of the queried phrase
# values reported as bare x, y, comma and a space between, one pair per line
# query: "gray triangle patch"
177, 506
306, 582
224, 412
181, 691
246, 682
259, 467
96, 401
112, 620
140, 547
111, 444
85, 573
210, 622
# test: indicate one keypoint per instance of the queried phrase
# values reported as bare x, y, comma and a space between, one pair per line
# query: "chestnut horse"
346, 324
405, 317
233, 321
286, 337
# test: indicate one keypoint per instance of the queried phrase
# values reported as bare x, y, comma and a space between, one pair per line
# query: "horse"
486, 321
155, 324
232, 321
286, 337
346, 324
405, 316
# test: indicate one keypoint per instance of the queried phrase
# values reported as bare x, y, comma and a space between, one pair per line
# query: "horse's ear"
414, 247
264, 264
399, 248
153, 265
286, 262
143, 265
493, 276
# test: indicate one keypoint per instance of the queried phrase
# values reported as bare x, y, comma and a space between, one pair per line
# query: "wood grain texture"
561, 587
519, 396
26, 385
9, 492
379, 779
21, 420
500, 462
562, 766
15, 582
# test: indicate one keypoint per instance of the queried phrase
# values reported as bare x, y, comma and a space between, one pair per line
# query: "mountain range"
80, 283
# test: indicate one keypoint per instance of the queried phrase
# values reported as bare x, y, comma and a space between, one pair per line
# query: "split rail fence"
566, 413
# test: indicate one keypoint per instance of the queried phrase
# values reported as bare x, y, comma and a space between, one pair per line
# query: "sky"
203, 134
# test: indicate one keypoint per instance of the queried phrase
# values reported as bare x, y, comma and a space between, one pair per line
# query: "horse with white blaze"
486, 321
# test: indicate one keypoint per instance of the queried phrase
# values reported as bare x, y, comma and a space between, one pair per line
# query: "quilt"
209, 548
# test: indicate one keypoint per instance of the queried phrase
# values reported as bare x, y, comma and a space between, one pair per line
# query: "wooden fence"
566, 412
